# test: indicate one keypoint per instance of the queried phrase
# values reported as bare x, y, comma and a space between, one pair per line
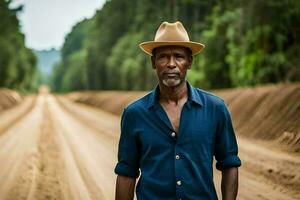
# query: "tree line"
17, 63
247, 43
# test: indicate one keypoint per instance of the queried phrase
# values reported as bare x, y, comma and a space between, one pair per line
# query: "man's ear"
190, 62
153, 62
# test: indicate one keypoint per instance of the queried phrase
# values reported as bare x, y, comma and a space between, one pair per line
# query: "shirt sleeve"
128, 149
226, 149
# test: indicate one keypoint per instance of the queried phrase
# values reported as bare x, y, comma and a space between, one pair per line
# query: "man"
169, 137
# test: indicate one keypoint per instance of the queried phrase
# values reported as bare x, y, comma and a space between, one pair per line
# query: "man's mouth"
171, 75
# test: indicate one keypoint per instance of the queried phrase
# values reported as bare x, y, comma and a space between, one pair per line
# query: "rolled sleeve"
226, 149
128, 149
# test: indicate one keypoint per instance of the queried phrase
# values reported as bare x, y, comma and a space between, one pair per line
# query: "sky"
45, 23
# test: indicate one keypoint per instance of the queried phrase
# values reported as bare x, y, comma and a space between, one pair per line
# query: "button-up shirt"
176, 166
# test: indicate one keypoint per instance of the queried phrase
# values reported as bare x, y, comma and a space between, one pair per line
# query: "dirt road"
52, 148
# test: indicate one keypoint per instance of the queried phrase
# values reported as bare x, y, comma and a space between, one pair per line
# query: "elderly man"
169, 137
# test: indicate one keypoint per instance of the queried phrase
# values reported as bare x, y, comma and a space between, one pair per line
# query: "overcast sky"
46, 22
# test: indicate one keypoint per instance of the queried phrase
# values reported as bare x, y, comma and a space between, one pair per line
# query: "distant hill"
46, 60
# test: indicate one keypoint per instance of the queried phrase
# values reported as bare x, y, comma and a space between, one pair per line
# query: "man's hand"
125, 188
229, 184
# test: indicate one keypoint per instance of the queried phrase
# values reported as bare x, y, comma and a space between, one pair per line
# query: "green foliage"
247, 43
129, 70
71, 72
17, 63
75, 77
75, 39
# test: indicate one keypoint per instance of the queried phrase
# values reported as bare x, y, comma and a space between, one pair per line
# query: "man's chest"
174, 114
196, 130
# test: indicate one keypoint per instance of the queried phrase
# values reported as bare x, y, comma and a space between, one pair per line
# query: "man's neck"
173, 94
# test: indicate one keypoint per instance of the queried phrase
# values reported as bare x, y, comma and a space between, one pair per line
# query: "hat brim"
148, 47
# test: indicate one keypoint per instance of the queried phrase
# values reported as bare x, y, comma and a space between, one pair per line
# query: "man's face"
171, 64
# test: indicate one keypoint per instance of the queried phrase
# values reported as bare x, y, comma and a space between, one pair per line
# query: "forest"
17, 62
248, 43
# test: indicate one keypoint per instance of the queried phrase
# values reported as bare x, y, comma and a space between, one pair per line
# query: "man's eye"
163, 57
179, 56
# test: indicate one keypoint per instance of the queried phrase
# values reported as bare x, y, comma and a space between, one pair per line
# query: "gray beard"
171, 82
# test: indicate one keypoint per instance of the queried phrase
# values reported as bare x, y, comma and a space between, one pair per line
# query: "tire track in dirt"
49, 178
7, 119
38, 173
101, 121
89, 156
43, 157
19, 155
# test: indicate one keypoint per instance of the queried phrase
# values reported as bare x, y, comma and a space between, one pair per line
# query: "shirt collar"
193, 96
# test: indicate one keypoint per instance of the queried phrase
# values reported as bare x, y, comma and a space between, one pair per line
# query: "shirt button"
178, 182
173, 134
177, 157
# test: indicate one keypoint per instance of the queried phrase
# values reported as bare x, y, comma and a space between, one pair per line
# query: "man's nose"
172, 62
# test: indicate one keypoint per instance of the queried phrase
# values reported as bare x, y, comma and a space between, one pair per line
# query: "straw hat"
171, 34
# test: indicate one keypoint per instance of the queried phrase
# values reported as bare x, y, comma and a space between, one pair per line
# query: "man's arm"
229, 184
125, 188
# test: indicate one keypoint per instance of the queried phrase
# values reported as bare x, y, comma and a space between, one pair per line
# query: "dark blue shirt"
176, 167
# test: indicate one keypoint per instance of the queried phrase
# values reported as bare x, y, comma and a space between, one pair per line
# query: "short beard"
171, 82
